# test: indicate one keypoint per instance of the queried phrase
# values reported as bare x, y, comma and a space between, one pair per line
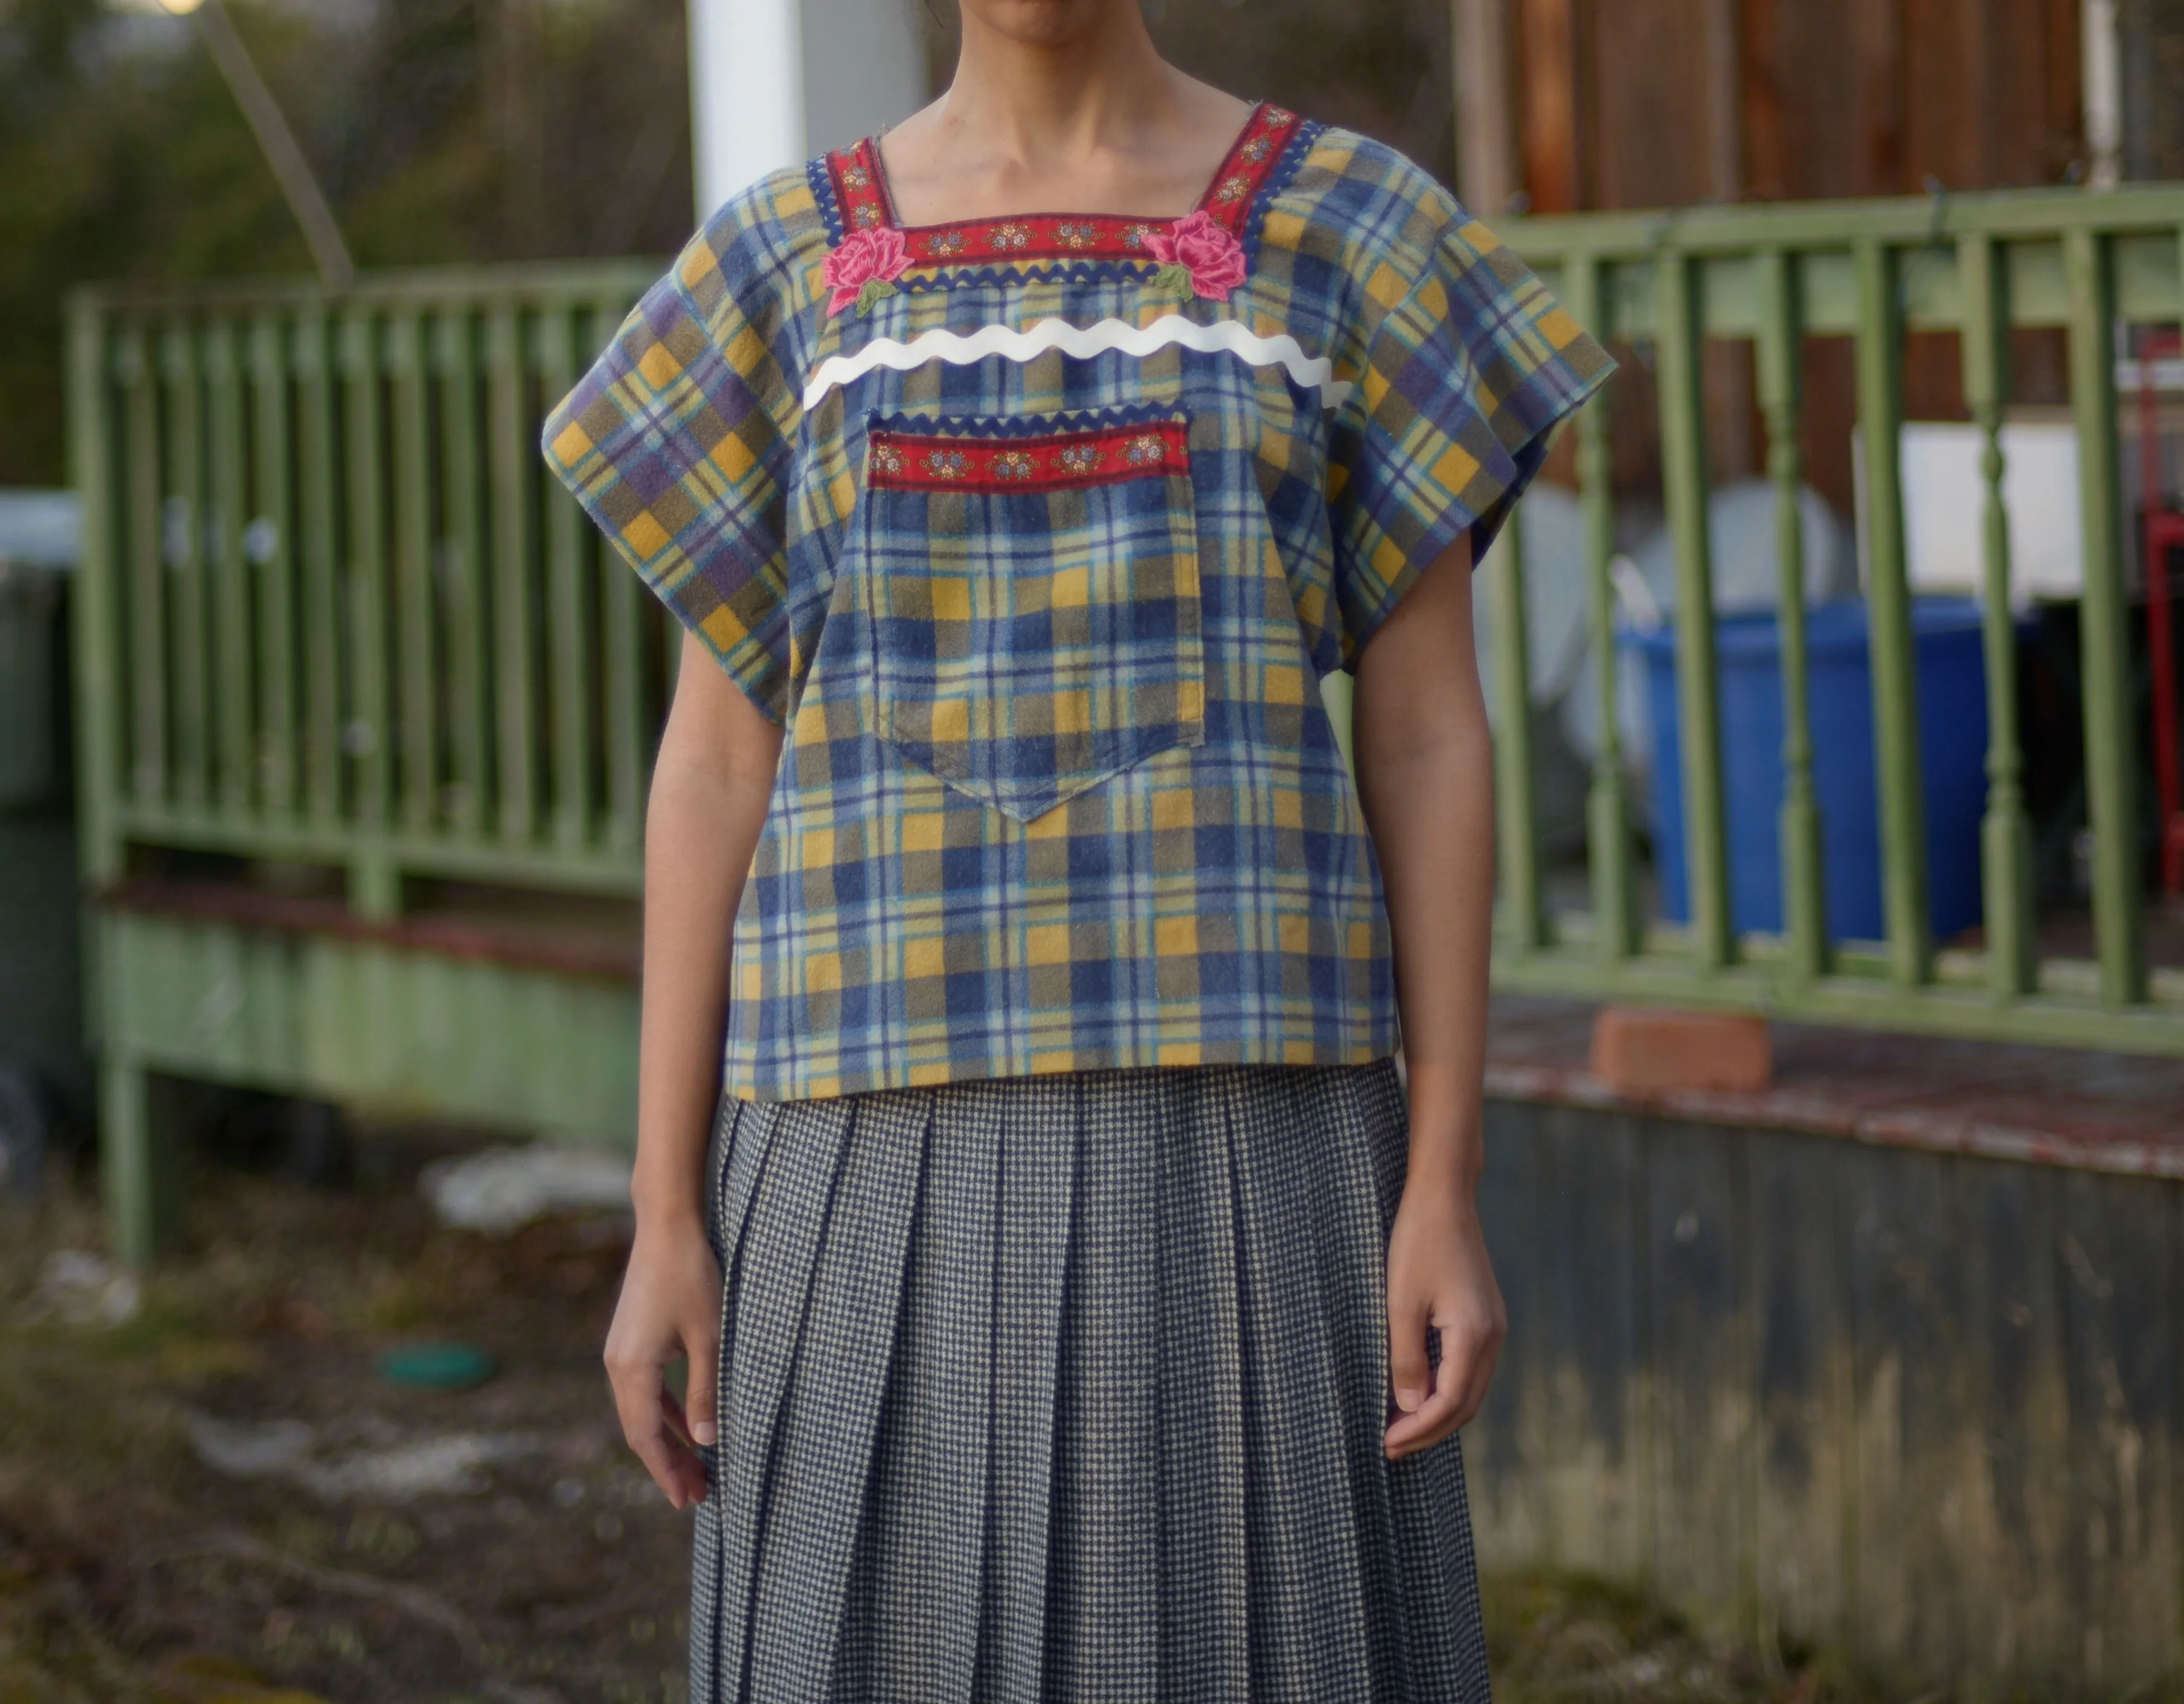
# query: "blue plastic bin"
1952, 692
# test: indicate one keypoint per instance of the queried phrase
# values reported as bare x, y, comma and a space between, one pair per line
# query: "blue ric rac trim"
1278, 179
822, 192
1027, 425
950, 275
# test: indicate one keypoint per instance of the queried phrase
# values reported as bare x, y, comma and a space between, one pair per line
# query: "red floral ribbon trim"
909, 461
860, 194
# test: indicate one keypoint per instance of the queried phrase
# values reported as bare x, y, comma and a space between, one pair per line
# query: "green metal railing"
1976, 266
331, 611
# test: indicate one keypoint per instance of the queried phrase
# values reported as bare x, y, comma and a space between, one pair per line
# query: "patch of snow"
448, 1464
79, 1287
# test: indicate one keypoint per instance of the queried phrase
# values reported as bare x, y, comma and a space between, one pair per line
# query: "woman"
1078, 1303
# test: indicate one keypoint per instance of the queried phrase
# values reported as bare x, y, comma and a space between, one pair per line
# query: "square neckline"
1221, 171
851, 186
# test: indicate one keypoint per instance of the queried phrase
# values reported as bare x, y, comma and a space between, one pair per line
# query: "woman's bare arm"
1425, 775
710, 788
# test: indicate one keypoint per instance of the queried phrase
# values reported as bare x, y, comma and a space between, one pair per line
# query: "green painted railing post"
232, 672
180, 529
137, 1165
1679, 341
1888, 615
93, 627
144, 546
2005, 830
375, 881
622, 638
470, 669
1781, 353
1522, 910
318, 454
276, 572
365, 736
100, 645
569, 623
511, 457
1616, 931
137, 1170
415, 606
2111, 769
375, 887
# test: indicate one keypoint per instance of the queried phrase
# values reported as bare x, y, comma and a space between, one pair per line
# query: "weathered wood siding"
1921, 1407
1661, 101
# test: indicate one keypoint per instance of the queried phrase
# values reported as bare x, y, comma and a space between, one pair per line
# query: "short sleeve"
1463, 380
673, 444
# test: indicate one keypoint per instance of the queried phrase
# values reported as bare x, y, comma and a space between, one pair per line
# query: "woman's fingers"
697, 1394
1459, 1389
1486, 1353
642, 1402
668, 1311
1439, 1272
1432, 1421
1408, 1370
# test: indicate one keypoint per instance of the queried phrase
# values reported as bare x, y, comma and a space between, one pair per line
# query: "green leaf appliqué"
1174, 278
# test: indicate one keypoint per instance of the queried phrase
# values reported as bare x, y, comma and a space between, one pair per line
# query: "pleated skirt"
1070, 1389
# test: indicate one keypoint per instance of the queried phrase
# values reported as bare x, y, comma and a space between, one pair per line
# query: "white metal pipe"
746, 93
2103, 56
773, 82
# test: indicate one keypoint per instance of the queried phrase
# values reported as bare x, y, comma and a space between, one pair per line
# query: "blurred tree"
442, 131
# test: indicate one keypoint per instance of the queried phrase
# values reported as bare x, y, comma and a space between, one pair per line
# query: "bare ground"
131, 1573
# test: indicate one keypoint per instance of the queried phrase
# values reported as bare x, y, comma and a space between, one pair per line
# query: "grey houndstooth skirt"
1070, 1389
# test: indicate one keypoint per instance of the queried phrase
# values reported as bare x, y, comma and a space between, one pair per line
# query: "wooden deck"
2003, 1101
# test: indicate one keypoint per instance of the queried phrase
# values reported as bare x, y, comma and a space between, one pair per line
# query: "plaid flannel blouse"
1037, 535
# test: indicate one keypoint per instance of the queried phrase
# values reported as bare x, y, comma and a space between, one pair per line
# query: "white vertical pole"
746, 93
1725, 99
2103, 56
773, 82
1488, 172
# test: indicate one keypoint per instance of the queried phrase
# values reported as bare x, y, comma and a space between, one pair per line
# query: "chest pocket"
1033, 589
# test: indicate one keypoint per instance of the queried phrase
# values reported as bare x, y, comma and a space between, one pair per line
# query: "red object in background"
1649, 1051
2164, 532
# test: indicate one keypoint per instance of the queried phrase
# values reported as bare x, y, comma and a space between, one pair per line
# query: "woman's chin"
1043, 23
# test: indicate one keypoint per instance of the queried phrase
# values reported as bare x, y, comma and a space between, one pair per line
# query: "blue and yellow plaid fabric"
1030, 643
1057, 791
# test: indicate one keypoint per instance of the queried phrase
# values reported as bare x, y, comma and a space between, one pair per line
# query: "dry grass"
1572, 1638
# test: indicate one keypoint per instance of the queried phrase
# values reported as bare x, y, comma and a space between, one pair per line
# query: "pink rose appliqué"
1198, 256
863, 266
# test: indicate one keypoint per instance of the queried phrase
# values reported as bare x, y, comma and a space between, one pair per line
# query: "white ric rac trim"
1222, 336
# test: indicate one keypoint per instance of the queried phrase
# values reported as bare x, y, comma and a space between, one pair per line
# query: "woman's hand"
670, 1311
1439, 1274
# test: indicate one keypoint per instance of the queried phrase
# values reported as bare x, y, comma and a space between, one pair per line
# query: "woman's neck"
1094, 122
1059, 99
